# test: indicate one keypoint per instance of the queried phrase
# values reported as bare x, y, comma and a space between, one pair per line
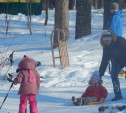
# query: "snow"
58, 86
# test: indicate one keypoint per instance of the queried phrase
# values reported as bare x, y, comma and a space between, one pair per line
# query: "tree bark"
95, 4
121, 4
61, 16
83, 18
71, 4
100, 4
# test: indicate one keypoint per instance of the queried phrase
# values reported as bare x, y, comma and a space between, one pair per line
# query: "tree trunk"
121, 4
107, 4
47, 6
124, 4
100, 4
71, 4
95, 4
61, 16
44, 4
83, 18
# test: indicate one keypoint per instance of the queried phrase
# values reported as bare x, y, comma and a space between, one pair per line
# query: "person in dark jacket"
115, 22
114, 49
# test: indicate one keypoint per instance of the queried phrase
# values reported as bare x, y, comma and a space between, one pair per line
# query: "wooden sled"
99, 102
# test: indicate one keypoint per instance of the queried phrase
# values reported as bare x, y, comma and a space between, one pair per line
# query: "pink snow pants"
32, 102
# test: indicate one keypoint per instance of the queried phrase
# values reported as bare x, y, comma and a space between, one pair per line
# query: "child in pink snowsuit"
29, 80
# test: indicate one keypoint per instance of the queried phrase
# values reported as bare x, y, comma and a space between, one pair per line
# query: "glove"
101, 77
100, 74
17, 70
10, 80
38, 63
10, 76
103, 99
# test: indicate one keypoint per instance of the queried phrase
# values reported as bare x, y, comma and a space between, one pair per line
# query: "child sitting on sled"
29, 80
94, 92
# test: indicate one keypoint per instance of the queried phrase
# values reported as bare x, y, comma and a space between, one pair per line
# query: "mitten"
10, 80
102, 99
17, 70
38, 63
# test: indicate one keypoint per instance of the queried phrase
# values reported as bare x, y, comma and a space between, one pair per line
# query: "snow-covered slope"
58, 86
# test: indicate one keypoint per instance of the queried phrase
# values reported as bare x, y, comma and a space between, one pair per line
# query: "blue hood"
119, 13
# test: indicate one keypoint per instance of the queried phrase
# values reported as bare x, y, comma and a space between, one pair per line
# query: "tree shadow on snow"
49, 99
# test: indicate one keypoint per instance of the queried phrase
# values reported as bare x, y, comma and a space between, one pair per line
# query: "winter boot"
33, 107
115, 98
74, 99
79, 102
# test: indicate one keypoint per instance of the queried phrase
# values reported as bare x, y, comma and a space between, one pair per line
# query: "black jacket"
116, 52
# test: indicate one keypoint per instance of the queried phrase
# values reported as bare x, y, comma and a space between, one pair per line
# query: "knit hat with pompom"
95, 76
25, 57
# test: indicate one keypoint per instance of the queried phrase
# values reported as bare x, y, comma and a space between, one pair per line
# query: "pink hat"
25, 57
95, 76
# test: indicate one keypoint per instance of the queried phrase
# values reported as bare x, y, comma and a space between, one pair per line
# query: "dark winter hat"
95, 76
106, 35
114, 6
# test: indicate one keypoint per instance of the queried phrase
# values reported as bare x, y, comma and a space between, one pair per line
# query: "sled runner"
79, 102
99, 102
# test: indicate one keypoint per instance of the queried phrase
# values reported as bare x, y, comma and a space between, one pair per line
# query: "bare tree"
71, 4
83, 18
61, 16
122, 4
95, 4
100, 4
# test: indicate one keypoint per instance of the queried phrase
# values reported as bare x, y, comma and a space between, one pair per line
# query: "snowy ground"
58, 85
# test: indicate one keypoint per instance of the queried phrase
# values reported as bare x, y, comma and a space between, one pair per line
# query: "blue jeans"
115, 80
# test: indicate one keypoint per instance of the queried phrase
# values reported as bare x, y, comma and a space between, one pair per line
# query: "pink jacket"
28, 77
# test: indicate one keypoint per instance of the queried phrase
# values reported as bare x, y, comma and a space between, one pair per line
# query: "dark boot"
79, 102
116, 98
74, 99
